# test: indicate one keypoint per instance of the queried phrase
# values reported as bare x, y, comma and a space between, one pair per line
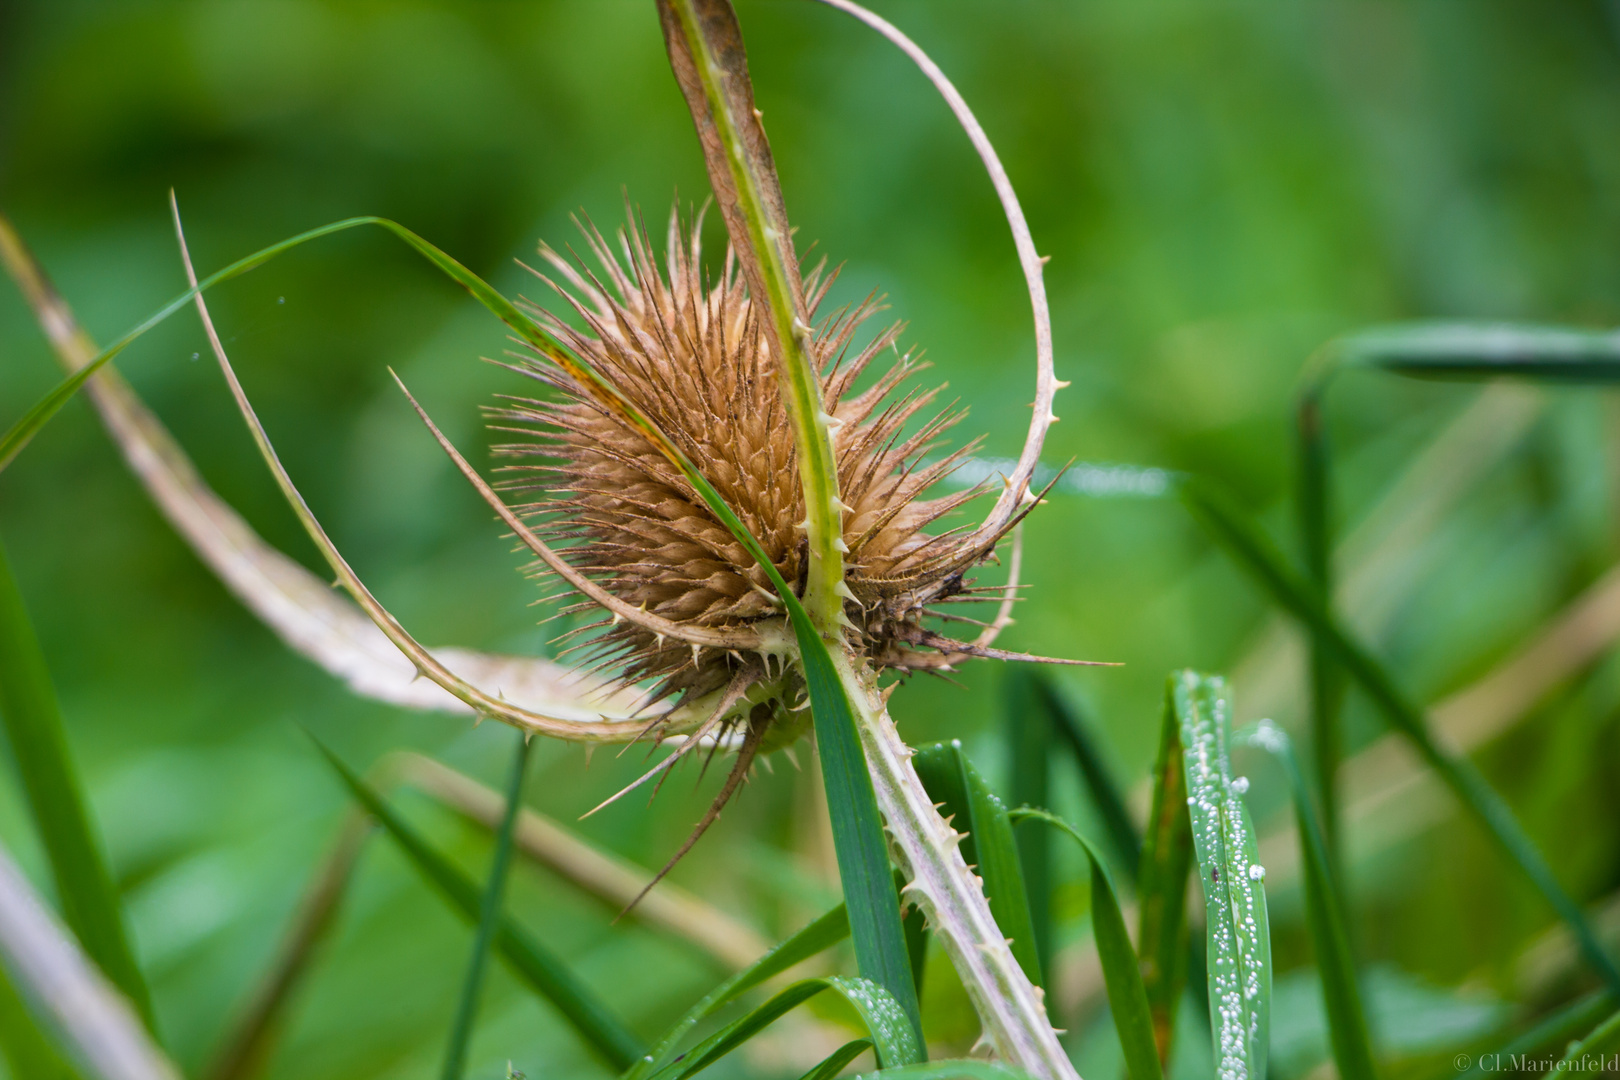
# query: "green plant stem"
489, 918
1314, 503
1009, 1005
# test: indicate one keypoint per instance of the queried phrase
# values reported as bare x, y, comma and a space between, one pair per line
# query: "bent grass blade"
887, 1026
835, 1062
1243, 539
1324, 916
819, 936
33, 725
1122, 973
1238, 932
541, 971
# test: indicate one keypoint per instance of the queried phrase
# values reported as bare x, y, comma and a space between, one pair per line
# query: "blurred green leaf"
543, 972
820, 935
1029, 754
990, 844
1161, 883
33, 722
1324, 916
27, 1051
1549, 1035
1255, 553
1106, 794
1238, 931
1122, 973
949, 1070
894, 1041
1457, 350
1604, 1038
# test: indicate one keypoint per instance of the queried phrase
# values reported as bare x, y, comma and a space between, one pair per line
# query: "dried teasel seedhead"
693, 358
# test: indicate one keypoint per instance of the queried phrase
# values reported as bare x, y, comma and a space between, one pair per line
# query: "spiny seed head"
692, 357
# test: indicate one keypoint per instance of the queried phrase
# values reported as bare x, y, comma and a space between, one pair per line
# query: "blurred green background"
1221, 188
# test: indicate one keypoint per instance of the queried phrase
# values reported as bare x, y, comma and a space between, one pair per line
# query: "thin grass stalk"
1314, 506
1107, 797
489, 918
1029, 750
246, 1049
50, 779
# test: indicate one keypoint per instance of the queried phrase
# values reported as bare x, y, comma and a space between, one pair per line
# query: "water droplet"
1257, 872
1241, 785
195, 357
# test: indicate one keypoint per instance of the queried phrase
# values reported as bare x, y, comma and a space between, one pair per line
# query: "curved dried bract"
693, 358
1016, 492
430, 666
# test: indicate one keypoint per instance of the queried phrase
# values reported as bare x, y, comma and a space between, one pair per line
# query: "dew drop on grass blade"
1238, 935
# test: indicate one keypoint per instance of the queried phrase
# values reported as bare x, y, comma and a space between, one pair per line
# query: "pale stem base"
951, 895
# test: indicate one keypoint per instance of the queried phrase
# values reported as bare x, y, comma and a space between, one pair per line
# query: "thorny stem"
950, 895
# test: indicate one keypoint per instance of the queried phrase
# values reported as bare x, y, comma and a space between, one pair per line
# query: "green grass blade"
990, 843
858, 838
1122, 973
50, 780
1604, 1038
489, 918
1238, 933
949, 1070
1313, 504
915, 925
1255, 553
1550, 1035
835, 1062
1029, 753
1106, 794
1161, 884
27, 1052
1324, 917
1485, 351
542, 971
893, 1040
820, 935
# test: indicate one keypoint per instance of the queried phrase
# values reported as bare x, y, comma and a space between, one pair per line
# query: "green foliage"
1324, 915
543, 972
23, 1046
33, 725
1161, 882
1122, 973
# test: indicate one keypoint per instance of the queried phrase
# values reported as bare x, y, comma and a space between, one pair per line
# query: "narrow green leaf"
1327, 684
835, 1062
1238, 933
1029, 755
1486, 351
28, 1053
951, 779
1122, 974
542, 971
949, 1070
858, 839
33, 724
489, 918
820, 935
893, 1040
915, 925
1106, 794
1551, 1034
1161, 884
1324, 917
1255, 553
1577, 1058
